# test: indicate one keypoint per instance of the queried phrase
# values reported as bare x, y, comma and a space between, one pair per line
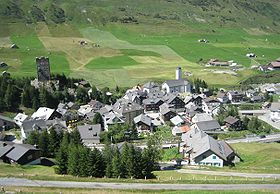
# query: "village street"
135, 186
234, 174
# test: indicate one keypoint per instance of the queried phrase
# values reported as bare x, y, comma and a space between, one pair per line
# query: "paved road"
268, 138
135, 186
236, 174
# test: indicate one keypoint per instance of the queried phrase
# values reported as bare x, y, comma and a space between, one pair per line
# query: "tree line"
73, 158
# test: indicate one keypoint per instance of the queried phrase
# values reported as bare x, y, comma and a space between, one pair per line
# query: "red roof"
185, 128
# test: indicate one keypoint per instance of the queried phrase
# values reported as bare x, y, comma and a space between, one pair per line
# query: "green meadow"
131, 54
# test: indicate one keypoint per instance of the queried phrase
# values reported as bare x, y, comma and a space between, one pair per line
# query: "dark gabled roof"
174, 83
89, 132
5, 149
29, 125
144, 119
231, 120
19, 150
208, 125
151, 101
6, 119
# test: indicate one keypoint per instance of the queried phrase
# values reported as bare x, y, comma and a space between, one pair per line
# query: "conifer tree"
73, 160
117, 167
43, 143
62, 155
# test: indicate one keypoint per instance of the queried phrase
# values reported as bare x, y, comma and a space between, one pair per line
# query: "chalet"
6, 123
235, 96
152, 104
202, 149
143, 123
257, 98
233, 122
95, 105
84, 110
19, 153
58, 125
275, 111
208, 126
112, 118
128, 110
31, 125
133, 97
177, 86
45, 114
211, 106
222, 97
166, 112
175, 102
90, 134
201, 117
151, 87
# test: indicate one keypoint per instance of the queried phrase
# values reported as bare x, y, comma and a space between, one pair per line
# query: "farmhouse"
202, 149
143, 123
218, 63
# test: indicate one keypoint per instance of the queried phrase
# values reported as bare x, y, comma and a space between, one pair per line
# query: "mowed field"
126, 55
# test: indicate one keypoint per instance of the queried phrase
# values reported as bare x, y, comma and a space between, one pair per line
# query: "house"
275, 65
252, 113
255, 99
84, 110
174, 102
211, 106
233, 122
176, 86
208, 126
14, 46
166, 112
90, 134
152, 104
128, 110
202, 149
177, 121
3, 65
59, 126
95, 105
112, 118
218, 63
19, 118
235, 96
275, 111
19, 153
133, 97
6, 123
45, 114
143, 123
222, 97
30, 125
151, 87
200, 117
71, 116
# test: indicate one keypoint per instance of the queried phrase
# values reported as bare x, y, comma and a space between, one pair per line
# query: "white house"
275, 112
43, 113
19, 118
202, 149
176, 86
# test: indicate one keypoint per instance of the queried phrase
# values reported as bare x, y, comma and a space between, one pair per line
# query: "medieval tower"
43, 69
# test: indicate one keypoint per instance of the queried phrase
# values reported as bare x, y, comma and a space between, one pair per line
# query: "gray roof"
200, 142
150, 85
6, 119
30, 125
275, 106
208, 125
89, 133
144, 119
125, 106
19, 150
151, 101
164, 109
231, 120
174, 83
5, 149
156, 94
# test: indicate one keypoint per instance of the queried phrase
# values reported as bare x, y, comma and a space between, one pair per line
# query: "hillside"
132, 41
264, 14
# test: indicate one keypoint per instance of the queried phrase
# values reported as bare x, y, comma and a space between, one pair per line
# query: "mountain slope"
264, 14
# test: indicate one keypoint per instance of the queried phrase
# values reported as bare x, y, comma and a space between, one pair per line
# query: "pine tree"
8, 98
33, 138
117, 167
73, 160
108, 156
54, 141
62, 155
83, 161
43, 143
97, 119
75, 137
124, 159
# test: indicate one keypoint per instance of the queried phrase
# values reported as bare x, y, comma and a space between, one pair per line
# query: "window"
214, 157
203, 156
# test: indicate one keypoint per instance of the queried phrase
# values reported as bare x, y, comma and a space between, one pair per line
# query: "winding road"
18, 182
